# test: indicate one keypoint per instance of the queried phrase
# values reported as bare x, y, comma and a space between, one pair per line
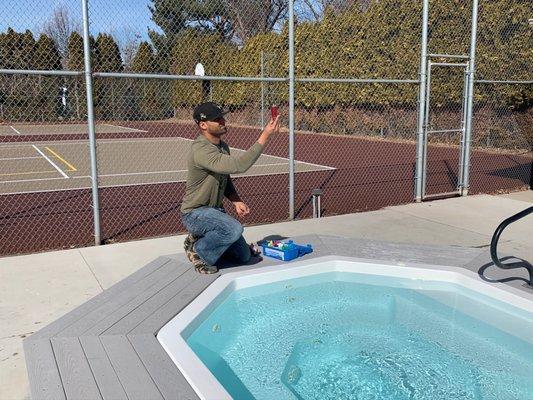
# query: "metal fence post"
262, 90
421, 105
291, 109
90, 122
470, 101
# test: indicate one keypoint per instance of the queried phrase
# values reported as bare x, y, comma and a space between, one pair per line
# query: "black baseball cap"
207, 112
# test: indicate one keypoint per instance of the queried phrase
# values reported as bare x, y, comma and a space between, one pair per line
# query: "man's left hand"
241, 208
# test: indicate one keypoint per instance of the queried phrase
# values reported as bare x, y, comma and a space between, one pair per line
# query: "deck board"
127, 311
45, 381
137, 382
120, 300
171, 383
164, 314
153, 304
76, 375
102, 370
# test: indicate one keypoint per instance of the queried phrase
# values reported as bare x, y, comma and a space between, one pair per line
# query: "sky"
118, 17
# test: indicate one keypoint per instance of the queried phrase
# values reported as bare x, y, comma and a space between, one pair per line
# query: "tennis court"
64, 165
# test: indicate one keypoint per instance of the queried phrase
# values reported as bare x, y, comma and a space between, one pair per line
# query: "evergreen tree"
152, 95
49, 97
107, 54
9, 44
143, 61
47, 55
107, 91
217, 57
75, 62
75, 53
5, 80
19, 50
25, 52
230, 21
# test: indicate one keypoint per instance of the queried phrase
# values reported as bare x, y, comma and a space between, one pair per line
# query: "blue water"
352, 336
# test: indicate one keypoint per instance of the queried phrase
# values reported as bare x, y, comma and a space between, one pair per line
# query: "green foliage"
107, 54
149, 98
504, 46
381, 41
191, 47
107, 91
169, 15
47, 55
144, 60
47, 99
75, 62
75, 58
17, 49
176, 16
29, 98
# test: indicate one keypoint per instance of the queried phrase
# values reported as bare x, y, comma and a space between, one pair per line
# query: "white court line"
50, 161
125, 127
296, 161
171, 172
287, 160
121, 141
118, 140
142, 173
15, 130
121, 185
43, 179
263, 165
231, 148
143, 140
125, 174
152, 172
17, 158
99, 176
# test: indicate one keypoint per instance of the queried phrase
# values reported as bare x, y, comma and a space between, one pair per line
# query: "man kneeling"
212, 232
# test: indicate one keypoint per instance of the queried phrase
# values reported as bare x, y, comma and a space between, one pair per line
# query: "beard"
220, 131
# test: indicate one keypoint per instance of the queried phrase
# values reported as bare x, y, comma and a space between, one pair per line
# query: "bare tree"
128, 43
233, 20
250, 17
59, 27
313, 10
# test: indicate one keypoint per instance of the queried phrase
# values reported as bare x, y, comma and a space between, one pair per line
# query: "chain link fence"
353, 109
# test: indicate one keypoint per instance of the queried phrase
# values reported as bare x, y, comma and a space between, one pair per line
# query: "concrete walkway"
37, 289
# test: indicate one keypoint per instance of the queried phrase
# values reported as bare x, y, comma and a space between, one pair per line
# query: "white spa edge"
204, 383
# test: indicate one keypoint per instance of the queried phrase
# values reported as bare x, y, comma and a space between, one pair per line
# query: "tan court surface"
42, 166
61, 129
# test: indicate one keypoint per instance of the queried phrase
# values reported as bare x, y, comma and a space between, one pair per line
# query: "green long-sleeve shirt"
209, 168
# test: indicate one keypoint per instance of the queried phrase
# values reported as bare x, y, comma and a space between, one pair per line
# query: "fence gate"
445, 116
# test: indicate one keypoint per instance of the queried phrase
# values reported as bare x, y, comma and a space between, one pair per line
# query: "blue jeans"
219, 235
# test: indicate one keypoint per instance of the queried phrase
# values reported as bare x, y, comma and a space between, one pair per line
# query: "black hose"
496, 237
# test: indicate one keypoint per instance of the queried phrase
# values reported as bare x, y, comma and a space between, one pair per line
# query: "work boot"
189, 243
200, 265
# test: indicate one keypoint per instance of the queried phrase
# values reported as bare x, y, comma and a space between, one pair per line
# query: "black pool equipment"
494, 245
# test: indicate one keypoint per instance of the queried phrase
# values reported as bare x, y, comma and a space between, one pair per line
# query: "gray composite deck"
107, 347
